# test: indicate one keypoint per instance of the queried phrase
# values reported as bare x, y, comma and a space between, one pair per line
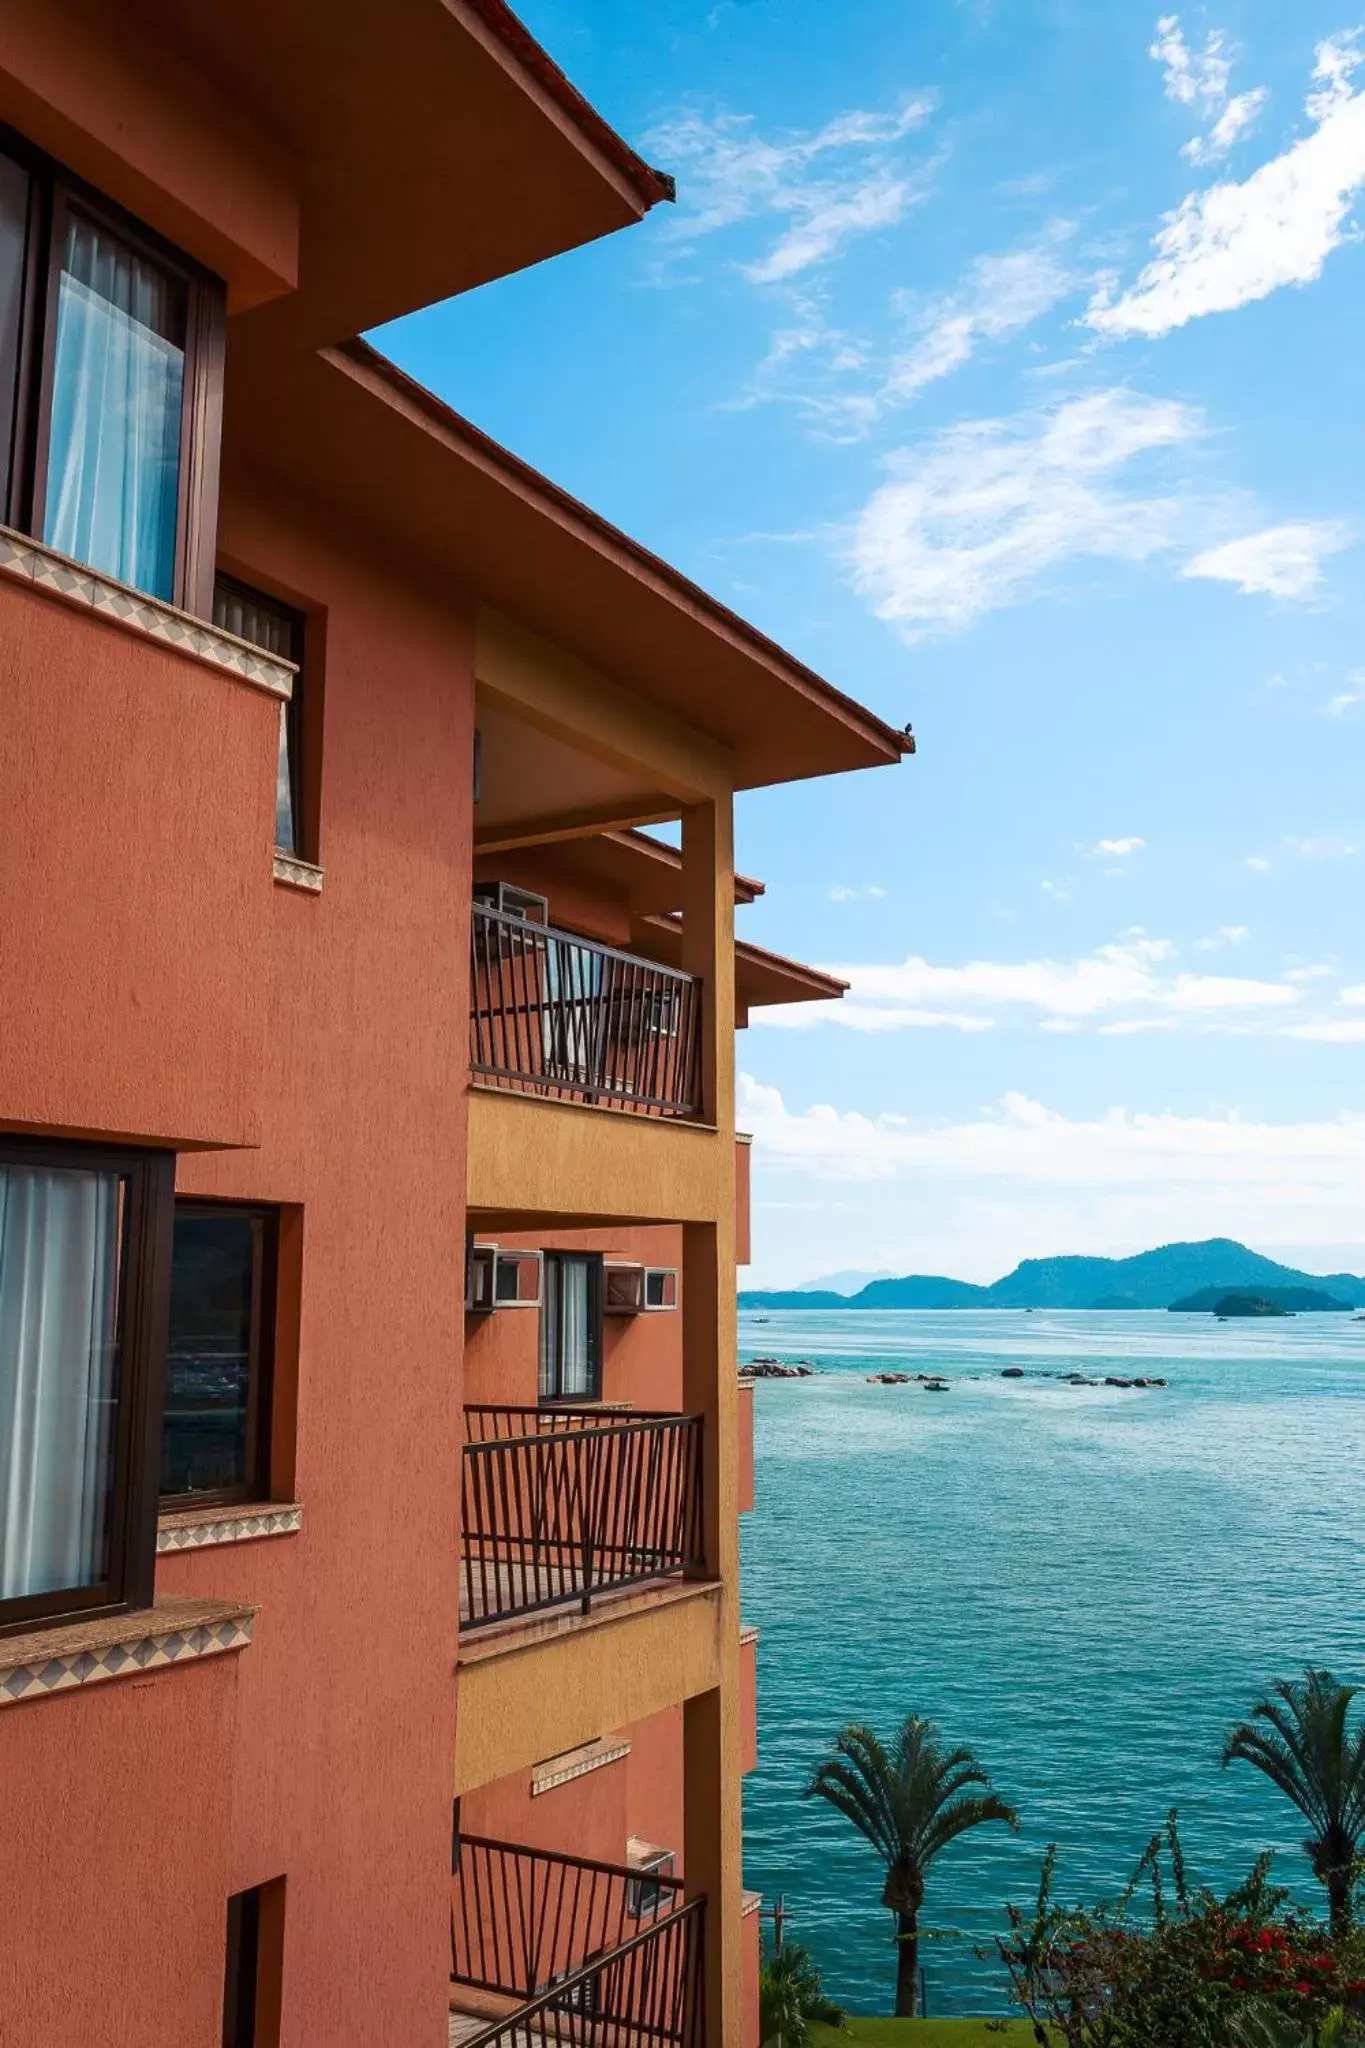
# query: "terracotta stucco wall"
322, 1752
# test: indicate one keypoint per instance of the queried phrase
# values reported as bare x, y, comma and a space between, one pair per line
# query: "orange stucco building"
371, 1455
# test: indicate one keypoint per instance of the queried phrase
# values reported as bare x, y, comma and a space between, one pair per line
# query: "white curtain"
118, 379
59, 1259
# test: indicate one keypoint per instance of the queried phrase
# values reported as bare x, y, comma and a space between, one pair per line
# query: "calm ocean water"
1085, 1584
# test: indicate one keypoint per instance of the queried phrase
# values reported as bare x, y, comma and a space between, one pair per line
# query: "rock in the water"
1012, 1372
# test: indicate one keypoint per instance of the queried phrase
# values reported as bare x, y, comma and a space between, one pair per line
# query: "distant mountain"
842, 1283
1151, 1279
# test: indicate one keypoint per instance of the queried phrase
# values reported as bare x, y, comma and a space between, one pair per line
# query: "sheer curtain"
59, 1259
566, 1348
118, 379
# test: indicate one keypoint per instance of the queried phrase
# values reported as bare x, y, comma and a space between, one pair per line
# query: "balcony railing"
557, 1015
563, 1504
590, 1953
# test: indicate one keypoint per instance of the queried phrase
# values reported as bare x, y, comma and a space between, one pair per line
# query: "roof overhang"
437, 145
762, 979
365, 440
633, 868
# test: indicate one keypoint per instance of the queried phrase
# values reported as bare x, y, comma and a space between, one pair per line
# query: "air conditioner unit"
623, 1290
511, 901
516, 1280
480, 1272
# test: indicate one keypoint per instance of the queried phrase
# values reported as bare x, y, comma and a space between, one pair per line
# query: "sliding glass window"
82, 1239
216, 1445
110, 385
571, 1327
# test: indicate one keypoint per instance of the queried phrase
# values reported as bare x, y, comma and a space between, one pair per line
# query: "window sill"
83, 1653
25, 560
247, 1522
575, 1763
298, 874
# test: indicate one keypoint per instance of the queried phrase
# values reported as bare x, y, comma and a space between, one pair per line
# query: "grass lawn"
922, 2034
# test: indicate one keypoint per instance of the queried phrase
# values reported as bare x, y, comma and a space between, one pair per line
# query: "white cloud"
1002, 295
1116, 849
1234, 243
1353, 694
1130, 984
1354, 995
972, 1196
1282, 561
1258, 865
1320, 970
826, 185
1021, 1140
1237, 119
872, 893
1229, 935
969, 522
1199, 80
1331, 1030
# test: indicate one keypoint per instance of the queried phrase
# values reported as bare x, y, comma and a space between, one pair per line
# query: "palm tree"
1307, 1750
910, 1803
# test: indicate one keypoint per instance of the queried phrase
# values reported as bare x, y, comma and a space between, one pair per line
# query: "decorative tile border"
29, 561
748, 1635
197, 1528
575, 1763
298, 874
64, 1659
749, 1903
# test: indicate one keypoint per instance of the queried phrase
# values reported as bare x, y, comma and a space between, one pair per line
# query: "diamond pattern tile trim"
149, 1653
219, 1525
25, 560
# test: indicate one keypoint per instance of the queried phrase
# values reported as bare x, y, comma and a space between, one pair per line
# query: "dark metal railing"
593, 1953
564, 1016
561, 1504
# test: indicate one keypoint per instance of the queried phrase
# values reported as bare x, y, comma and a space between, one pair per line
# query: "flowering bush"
1189, 1970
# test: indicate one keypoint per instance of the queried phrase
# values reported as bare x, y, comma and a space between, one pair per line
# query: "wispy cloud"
1115, 849
1021, 1141
1281, 561
872, 892
969, 522
1001, 295
1199, 79
1353, 694
1234, 243
1228, 935
1131, 983
823, 186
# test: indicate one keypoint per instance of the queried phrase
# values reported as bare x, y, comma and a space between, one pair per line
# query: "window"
110, 384
571, 1327
254, 1967
219, 1354
517, 1280
661, 1287
268, 624
480, 1266
84, 1237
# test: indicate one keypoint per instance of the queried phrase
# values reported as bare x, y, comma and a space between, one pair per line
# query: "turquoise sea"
1085, 1584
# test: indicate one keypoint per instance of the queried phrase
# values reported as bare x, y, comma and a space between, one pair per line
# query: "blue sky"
1002, 358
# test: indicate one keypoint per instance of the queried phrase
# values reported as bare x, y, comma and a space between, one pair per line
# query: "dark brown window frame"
261, 1371
297, 717
53, 193
594, 1263
144, 1294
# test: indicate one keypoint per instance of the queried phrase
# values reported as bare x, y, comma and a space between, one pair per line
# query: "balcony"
562, 1505
564, 1017
556, 1949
